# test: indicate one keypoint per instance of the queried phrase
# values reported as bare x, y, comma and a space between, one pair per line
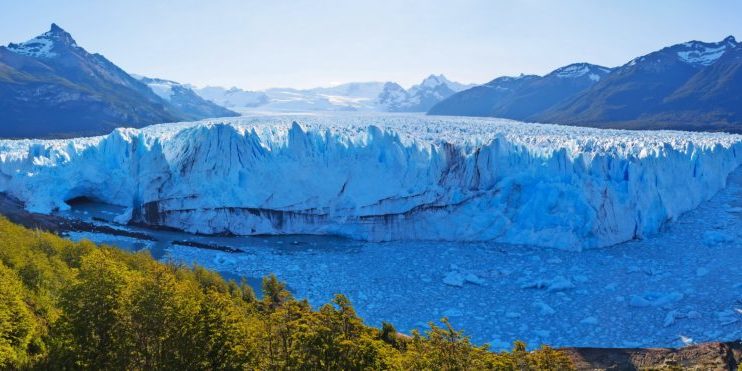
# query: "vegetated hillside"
689, 86
66, 305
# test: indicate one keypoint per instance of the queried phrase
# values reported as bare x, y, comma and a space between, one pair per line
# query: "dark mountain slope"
480, 100
685, 86
522, 97
51, 87
689, 86
185, 100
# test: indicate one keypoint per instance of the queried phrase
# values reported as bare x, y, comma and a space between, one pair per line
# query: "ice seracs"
383, 177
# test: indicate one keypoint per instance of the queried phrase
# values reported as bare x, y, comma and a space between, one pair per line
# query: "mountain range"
51, 87
191, 105
690, 86
419, 98
354, 96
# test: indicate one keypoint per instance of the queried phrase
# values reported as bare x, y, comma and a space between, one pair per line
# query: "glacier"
382, 177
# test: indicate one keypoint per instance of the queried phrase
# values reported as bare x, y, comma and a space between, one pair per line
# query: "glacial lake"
681, 286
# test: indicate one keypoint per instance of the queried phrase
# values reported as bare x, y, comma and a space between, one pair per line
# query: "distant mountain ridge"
51, 87
522, 97
419, 98
189, 104
354, 96
233, 97
690, 86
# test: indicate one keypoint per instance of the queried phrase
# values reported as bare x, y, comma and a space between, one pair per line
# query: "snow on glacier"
382, 177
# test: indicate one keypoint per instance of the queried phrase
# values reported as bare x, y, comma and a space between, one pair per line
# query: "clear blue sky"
268, 43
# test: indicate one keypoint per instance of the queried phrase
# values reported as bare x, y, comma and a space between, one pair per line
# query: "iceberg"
382, 177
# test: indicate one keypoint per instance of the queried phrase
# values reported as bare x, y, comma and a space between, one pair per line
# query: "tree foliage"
66, 305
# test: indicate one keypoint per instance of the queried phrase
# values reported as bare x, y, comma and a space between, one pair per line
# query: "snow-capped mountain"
524, 96
354, 96
233, 97
52, 87
698, 54
419, 98
182, 97
386, 177
46, 45
690, 86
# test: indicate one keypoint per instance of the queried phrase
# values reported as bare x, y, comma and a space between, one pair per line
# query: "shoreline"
13, 209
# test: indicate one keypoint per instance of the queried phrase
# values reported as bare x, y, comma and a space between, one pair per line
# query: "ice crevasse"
382, 178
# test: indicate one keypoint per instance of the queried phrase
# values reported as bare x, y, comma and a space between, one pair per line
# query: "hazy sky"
269, 43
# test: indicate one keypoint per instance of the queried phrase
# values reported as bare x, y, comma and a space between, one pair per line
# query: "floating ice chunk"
454, 279
727, 317
671, 317
458, 278
654, 299
714, 238
473, 278
544, 309
686, 340
589, 321
558, 283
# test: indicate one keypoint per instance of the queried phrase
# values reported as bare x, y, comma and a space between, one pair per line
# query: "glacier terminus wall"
382, 177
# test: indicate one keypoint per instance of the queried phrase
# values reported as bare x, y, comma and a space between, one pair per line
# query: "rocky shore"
707, 356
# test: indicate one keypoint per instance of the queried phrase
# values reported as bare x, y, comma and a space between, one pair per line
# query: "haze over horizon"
303, 44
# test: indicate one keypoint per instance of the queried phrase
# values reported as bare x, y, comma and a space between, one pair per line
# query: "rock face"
383, 178
708, 356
